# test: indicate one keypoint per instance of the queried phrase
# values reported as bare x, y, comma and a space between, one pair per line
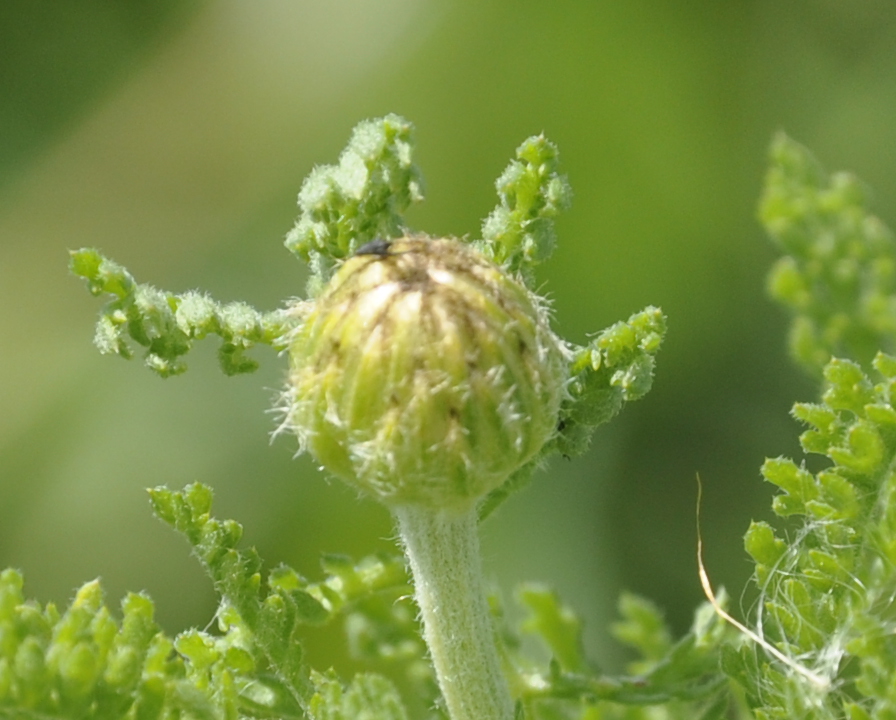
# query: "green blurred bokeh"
174, 136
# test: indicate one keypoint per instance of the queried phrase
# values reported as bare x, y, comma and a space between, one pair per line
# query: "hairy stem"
443, 550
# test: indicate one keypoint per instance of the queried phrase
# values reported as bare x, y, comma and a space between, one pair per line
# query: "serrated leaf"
166, 324
556, 625
368, 697
762, 544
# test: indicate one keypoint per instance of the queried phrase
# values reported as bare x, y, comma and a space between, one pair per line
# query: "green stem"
443, 551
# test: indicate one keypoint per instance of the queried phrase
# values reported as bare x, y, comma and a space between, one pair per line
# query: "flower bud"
423, 374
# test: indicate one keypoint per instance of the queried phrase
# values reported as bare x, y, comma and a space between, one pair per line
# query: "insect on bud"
423, 374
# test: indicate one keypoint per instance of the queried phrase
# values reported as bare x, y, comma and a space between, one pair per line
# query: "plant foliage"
827, 584
838, 271
826, 577
84, 663
166, 324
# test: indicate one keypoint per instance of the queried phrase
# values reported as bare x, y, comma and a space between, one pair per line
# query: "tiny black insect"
375, 247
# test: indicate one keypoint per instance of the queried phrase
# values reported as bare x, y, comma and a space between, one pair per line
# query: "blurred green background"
174, 135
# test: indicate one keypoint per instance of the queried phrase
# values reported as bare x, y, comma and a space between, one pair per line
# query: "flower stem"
443, 551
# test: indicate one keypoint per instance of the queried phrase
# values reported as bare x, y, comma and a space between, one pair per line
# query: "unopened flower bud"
423, 374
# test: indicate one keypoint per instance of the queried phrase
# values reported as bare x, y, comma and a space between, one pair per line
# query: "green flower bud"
424, 374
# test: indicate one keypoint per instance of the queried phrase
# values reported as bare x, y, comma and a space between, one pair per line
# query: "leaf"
519, 232
825, 586
838, 274
167, 324
269, 620
348, 205
368, 697
615, 368
557, 625
681, 679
